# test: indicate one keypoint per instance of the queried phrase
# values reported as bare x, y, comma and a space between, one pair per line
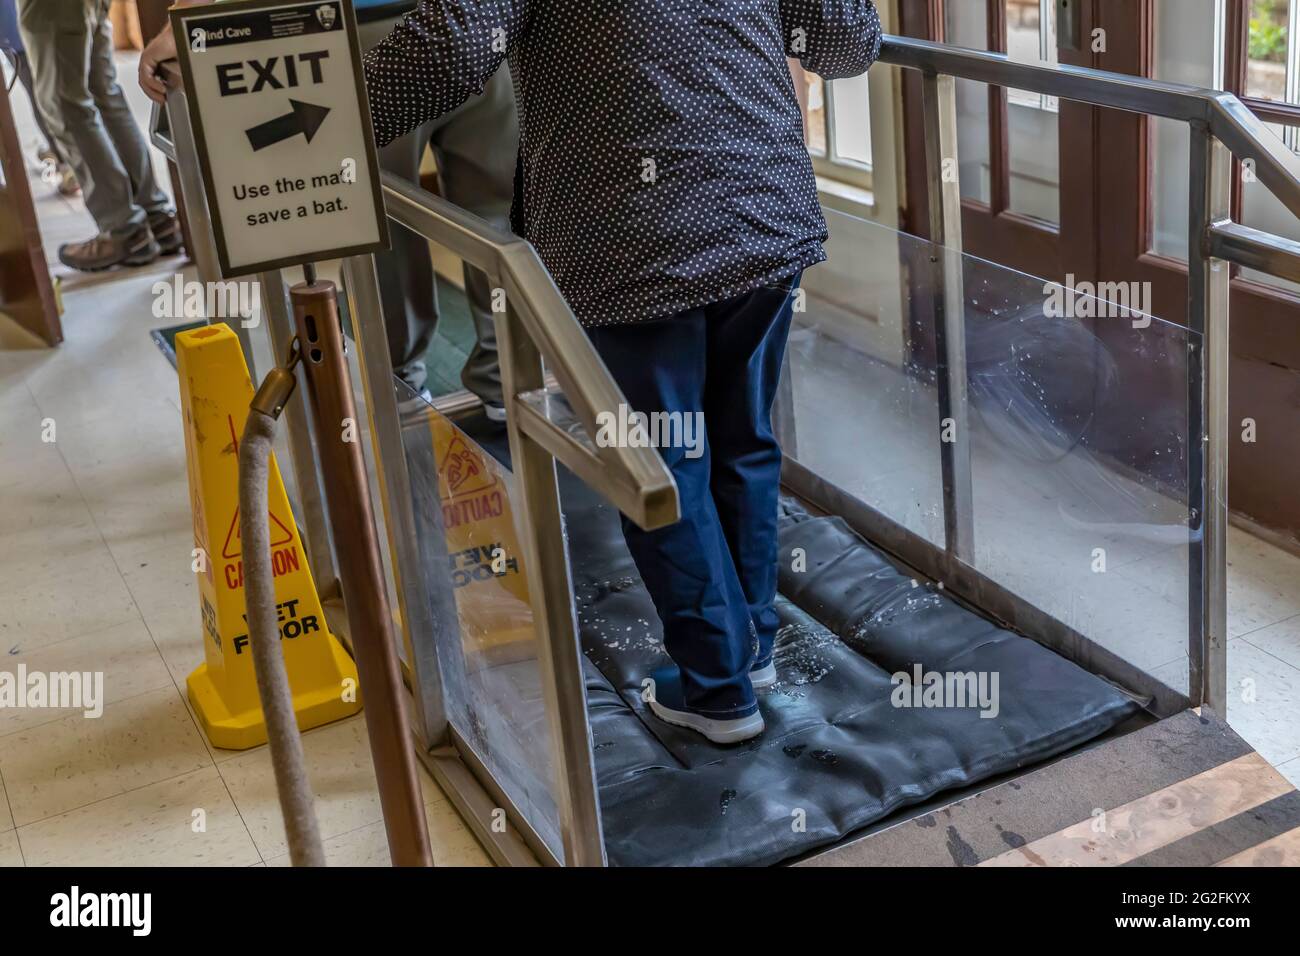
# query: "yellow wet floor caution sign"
486, 562
215, 392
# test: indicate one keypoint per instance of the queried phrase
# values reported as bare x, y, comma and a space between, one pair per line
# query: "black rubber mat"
838, 754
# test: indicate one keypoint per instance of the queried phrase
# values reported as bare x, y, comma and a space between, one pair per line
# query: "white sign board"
281, 122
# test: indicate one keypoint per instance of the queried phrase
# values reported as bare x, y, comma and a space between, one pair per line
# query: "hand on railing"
156, 52
159, 70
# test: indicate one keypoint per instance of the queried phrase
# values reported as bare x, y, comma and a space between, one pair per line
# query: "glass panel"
852, 117
490, 658
965, 25
1187, 50
1077, 420
861, 403
1078, 424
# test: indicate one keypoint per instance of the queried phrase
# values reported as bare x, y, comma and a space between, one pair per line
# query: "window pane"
1186, 51
1033, 150
1023, 30
852, 110
964, 25
1271, 74
1031, 38
1032, 130
1266, 72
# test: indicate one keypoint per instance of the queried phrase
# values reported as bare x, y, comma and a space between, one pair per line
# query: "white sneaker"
719, 731
765, 676
494, 413
415, 403
669, 706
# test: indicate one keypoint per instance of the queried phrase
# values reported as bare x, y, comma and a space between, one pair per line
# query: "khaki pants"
476, 146
70, 46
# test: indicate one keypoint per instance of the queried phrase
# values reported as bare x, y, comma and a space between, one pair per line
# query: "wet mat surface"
838, 754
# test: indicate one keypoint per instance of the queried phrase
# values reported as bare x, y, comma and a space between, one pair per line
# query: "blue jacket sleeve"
442, 53
833, 38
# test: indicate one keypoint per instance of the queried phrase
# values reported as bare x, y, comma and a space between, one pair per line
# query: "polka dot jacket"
661, 160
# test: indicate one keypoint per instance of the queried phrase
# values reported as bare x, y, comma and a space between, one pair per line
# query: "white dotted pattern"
661, 158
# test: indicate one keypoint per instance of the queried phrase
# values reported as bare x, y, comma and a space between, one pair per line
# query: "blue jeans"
712, 575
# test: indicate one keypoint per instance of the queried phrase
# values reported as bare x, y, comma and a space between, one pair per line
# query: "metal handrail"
639, 484
1219, 125
1226, 117
537, 333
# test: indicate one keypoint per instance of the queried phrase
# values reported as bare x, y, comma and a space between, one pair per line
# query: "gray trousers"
475, 146
70, 46
23, 68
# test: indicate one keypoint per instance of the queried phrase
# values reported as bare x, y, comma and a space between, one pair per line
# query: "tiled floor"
94, 574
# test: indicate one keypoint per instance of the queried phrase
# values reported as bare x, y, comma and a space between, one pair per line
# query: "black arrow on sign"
304, 118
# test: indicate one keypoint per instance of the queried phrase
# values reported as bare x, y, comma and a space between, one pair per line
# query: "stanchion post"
361, 572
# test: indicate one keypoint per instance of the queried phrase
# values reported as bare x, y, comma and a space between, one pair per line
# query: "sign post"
282, 129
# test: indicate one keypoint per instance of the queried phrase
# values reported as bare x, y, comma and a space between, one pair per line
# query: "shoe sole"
137, 259
142, 259
494, 413
745, 728
762, 677
171, 244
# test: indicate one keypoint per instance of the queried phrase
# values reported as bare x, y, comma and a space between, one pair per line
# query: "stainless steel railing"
1218, 123
536, 334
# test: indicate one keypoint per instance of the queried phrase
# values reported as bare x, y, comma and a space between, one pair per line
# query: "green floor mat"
454, 341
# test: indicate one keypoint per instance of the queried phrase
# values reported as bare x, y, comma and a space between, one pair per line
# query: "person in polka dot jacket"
663, 179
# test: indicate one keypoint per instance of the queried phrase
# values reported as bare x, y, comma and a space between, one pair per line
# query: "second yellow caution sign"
215, 392
490, 582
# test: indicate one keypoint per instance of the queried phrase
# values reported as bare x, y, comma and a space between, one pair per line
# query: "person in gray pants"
56, 168
70, 46
475, 146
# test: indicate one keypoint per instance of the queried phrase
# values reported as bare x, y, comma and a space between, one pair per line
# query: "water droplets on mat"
908, 601
798, 656
617, 633
725, 799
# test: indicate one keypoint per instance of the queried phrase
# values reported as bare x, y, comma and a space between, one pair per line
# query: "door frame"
1265, 331
992, 230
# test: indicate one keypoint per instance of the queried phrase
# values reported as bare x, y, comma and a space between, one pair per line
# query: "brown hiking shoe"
104, 252
166, 229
